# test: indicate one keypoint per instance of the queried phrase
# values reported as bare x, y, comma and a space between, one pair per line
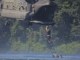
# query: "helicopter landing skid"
42, 23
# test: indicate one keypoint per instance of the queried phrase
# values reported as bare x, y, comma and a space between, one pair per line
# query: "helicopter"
38, 12
10, 8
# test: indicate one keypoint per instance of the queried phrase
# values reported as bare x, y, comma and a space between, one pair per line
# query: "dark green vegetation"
65, 33
71, 48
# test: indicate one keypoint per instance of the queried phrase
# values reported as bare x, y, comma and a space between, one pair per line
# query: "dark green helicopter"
38, 12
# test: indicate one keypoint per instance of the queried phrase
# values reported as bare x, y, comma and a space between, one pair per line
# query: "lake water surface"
36, 57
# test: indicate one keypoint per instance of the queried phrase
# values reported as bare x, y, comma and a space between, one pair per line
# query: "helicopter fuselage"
18, 9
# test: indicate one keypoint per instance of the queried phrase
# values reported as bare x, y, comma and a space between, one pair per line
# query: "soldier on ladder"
48, 34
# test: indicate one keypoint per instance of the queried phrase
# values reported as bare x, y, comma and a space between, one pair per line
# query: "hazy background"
15, 37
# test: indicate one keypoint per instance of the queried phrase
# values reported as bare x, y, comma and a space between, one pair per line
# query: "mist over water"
36, 56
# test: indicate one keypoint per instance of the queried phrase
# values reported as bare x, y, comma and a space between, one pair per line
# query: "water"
35, 57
